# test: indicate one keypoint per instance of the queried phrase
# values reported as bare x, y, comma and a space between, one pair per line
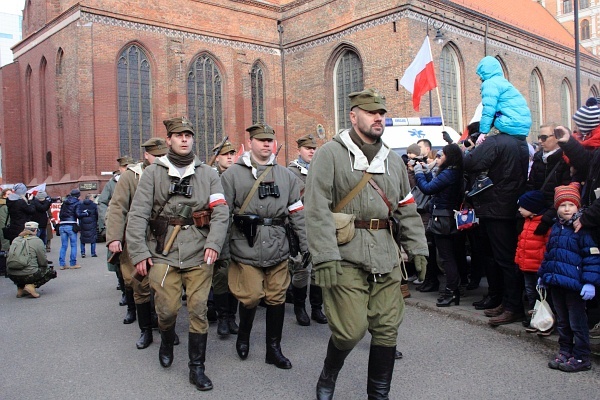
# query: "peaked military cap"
227, 148
307, 141
156, 146
261, 131
368, 100
178, 125
125, 160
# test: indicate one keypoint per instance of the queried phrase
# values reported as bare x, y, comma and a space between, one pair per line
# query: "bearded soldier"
181, 201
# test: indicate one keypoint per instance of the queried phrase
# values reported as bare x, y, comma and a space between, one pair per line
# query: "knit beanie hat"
20, 189
413, 149
533, 201
569, 192
588, 116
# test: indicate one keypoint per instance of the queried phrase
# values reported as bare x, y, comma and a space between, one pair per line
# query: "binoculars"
180, 188
268, 189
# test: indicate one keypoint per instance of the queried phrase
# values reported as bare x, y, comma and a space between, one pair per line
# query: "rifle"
217, 151
278, 150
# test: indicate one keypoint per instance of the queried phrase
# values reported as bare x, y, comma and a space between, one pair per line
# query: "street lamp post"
439, 39
577, 55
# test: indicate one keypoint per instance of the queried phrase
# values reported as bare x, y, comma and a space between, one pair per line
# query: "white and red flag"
419, 77
38, 188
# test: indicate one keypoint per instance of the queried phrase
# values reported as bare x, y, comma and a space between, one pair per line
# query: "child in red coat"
531, 247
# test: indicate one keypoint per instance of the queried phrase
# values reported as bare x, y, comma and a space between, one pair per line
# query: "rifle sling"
254, 188
366, 177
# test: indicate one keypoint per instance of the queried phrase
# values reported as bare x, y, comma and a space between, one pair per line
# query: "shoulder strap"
383, 196
253, 190
353, 193
550, 174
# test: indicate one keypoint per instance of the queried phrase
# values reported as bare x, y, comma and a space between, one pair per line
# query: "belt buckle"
267, 221
374, 221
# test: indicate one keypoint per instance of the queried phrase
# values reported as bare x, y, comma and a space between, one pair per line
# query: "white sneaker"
418, 281
412, 278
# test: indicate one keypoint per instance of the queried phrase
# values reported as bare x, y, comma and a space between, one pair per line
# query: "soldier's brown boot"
30, 288
494, 312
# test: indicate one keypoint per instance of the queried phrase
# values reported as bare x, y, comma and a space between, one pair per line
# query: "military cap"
156, 146
177, 125
125, 160
368, 100
31, 225
227, 148
261, 131
307, 141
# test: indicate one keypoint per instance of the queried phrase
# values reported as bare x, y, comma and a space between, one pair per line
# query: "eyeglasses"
438, 156
544, 137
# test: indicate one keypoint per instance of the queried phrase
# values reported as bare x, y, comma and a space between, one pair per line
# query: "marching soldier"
225, 302
263, 197
307, 145
181, 201
137, 292
357, 177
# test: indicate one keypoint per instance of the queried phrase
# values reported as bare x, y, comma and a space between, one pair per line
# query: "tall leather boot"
233, 306
299, 305
242, 344
381, 368
197, 353
222, 308
153, 311
316, 303
275, 315
123, 301
130, 315
165, 353
334, 361
144, 315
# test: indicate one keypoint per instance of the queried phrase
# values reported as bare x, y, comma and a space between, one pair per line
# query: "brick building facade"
91, 79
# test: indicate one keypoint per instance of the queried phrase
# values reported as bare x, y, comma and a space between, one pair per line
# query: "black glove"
542, 229
447, 137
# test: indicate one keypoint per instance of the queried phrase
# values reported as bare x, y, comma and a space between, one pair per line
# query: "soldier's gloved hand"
221, 264
326, 273
297, 259
420, 266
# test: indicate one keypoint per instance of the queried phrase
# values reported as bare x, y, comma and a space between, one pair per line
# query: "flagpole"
437, 88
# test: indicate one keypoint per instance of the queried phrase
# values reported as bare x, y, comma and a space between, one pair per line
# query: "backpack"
18, 255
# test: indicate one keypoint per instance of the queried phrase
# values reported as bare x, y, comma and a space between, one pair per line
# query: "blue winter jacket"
446, 188
499, 96
571, 259
68, 210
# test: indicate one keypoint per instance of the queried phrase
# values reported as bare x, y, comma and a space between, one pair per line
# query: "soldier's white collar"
174, 171
377, 165
248, 162
302, 169
137, 168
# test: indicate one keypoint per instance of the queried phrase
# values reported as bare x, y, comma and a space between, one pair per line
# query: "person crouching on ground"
571, 270
27, 263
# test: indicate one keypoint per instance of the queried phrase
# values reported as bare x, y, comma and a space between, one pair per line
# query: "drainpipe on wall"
485, 38
285, 130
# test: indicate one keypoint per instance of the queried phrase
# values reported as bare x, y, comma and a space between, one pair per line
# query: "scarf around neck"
180, 161
369, 150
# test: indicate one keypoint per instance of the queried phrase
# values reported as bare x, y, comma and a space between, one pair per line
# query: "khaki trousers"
167, 283
250, 284
141, 290
362, 301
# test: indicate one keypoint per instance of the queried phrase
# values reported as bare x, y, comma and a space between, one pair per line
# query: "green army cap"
368, 100
261, 131
125, 160
178, 125
156, 146
307, 141
227, 148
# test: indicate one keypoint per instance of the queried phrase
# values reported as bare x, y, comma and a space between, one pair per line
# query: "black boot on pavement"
299, 305
197, 353
233, 306
130, 315
275, 316
144, 316
222, 308
381, 368
334, 361
165, 353
315, 297
242, 344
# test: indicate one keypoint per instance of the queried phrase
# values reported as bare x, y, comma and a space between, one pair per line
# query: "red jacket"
531, 248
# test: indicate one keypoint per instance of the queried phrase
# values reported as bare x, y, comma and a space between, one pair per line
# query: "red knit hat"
567, 193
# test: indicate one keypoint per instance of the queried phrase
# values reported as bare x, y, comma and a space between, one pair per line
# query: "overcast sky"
12, 6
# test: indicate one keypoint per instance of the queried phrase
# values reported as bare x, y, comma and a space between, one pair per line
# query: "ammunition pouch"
159, 227
202, 218
247, 224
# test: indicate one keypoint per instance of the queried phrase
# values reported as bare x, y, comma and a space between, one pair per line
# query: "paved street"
71, 344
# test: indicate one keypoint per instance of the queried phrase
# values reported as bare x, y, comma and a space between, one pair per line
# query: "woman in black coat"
20, 210
87, 213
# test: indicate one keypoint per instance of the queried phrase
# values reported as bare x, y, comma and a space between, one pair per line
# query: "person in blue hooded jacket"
504, 107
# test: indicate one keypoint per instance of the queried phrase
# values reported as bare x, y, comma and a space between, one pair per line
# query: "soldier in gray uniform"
263, 198
176, 228
225, 302
307, 145
359, 264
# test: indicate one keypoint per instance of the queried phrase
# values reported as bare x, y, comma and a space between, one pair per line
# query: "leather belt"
181, 221
271, 221
373, 224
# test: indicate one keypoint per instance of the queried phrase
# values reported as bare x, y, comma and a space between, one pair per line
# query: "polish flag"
419, 77
476, 118
39, 188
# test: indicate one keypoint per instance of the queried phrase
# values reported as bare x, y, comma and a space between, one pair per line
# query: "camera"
417, 159
268, 189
